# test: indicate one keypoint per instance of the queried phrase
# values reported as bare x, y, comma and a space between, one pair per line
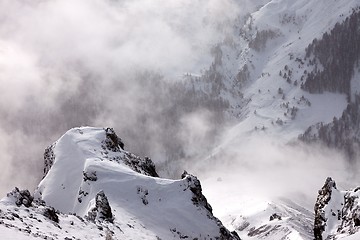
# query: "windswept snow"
89, 161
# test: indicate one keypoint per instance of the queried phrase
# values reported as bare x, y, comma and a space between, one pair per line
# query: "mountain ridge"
111, 193
269, 79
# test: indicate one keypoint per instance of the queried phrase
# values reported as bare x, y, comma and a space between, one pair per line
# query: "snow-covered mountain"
93, 189
265, 68
287, 73
336, 213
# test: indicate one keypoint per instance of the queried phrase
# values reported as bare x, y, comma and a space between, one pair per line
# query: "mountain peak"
89, 175
336, 212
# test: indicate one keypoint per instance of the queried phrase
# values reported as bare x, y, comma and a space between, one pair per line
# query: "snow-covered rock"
92, 188
275, 220
20, 197
110, 191
337, 212
102, 210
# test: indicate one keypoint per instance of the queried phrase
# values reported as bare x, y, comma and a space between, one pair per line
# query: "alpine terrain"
260, 100
93, 189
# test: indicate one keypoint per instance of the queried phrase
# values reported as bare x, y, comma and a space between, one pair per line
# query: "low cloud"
261, 166
69, 63
100, 62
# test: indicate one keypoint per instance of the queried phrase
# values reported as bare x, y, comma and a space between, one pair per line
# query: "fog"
103, 63
118, 63
263, 167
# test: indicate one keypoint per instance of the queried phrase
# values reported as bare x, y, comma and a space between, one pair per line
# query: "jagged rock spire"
322, 200
102, 209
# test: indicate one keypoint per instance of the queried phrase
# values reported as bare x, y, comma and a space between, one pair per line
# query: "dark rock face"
49, 158
114, 144
90, 176
322, 200
21, 197
112, 149
343, 211
350, 213
112, 141
102, 209
195, 187
274, 217
144, 166
51, 214
200, 200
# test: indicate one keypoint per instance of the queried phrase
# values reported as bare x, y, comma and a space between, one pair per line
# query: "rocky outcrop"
336, 212
195, 187
102, 210
112, 143
322, 200
89, 176
140, 165
38, 221
51, 214
49, 157
275, 216
200, 200
350, 213
20, 197
86, 170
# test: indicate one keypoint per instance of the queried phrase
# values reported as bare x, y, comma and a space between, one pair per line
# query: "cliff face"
321, 205
337, 213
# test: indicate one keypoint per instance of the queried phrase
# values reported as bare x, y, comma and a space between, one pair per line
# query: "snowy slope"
271, 47
256, 214
261, 66
268, 53
95, 185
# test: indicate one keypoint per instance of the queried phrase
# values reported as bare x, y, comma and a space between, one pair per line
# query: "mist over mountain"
258, 99
73, 63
